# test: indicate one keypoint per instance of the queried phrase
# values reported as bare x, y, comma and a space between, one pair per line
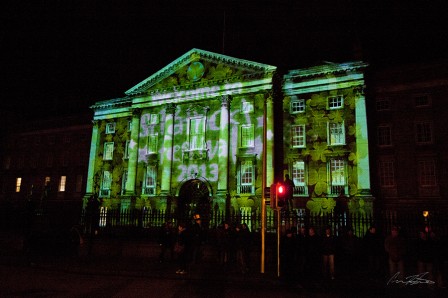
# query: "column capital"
226, 100
170, 108
136, 112
95, 123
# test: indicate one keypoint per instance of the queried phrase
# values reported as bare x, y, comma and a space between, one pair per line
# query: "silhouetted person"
166, 241
373, 246
198, 237
395, 247
182, 248
313, 263
289, 184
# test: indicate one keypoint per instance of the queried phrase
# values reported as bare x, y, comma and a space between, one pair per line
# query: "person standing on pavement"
313, 263
373, 248
395, 247
290, 192
166, 241
181, 248
198, 237
328, 252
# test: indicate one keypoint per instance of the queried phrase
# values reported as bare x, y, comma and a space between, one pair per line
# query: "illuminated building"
326, 148
190, 137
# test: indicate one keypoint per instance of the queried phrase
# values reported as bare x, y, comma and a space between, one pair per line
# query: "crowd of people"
396, 256
313, 255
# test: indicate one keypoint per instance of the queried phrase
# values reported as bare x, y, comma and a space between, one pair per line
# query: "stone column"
362, 146
223, 152
133, 152
167, 155
269, 140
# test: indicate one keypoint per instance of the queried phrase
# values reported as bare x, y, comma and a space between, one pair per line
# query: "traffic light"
280, 192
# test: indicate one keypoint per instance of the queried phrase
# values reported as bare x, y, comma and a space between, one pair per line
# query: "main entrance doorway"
194, 198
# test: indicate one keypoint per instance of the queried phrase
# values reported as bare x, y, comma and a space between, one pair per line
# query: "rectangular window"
62, 182
49, 161
336, 134
247, 107
298, 136
18, 184
197, 133
422, 101
152, 143
247, 136
384, 136
110, 127
246, 177
150, 181
126, 150
427, 173
124, 180
335, 102
106, 183
299, 178
423, 132
297, 105
387, 173
79, 181
382, 104
108, 151
337, 177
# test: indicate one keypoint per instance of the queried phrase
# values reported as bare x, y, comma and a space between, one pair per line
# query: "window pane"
298, 136
387, 173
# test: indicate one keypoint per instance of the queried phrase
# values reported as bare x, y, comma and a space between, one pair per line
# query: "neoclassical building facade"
189, 138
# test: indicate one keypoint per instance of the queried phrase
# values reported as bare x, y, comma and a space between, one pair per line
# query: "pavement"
139, 258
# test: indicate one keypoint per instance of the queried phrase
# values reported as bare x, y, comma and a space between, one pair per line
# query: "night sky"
59, 57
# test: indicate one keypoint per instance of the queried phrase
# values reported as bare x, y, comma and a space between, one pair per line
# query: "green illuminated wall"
226, 93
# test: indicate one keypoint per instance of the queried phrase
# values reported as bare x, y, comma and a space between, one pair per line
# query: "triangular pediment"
198, 68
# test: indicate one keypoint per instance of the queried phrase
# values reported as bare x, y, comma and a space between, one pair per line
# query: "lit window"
106, 183
423, 132
149, 187
337, 177
246, 177
298, 136
297, 105
335, 102
387, 173
108, 151
427, 173
18, 184
152, 143
62, 182
197, 133
336, 134
384, 136
247, 136
110, 127
299, 178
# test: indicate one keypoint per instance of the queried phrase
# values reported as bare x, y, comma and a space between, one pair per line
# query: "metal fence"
150, 219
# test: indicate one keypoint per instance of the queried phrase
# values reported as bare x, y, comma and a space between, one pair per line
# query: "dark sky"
61, 56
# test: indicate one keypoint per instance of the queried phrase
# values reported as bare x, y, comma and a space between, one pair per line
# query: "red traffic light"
280, 189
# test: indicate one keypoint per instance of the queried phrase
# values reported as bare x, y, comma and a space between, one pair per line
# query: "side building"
410, 139
326, 145
44, 163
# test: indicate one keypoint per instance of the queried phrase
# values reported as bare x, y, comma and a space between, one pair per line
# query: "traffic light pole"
278, 240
